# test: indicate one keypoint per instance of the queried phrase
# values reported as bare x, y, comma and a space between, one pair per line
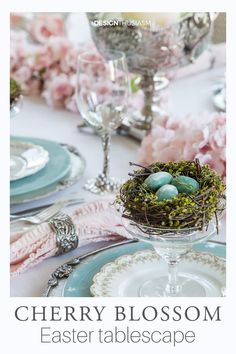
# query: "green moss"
15, 90
196, 210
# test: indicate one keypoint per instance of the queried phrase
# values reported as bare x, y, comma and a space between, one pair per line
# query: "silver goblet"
152, 53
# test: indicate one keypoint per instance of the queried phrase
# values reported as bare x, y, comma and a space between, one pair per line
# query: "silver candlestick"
152, 53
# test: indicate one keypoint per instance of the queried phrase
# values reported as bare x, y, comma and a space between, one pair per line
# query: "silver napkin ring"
66, 236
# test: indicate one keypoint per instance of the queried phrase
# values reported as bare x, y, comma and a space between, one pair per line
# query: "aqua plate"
58, 167
77, 168
81, 276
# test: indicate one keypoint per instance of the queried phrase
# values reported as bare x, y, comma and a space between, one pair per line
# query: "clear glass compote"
172, 246
102, 98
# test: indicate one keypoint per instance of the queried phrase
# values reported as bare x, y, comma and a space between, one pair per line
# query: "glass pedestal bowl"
172, 246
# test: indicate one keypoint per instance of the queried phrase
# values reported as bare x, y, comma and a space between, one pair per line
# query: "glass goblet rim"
81, 57
167, 234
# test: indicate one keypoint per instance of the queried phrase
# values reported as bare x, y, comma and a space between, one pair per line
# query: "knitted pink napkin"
95, 221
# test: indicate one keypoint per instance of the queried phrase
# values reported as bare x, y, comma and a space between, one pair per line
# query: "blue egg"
185, 184
157, 180
167, 192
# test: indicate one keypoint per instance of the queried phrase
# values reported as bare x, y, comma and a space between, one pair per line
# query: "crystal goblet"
172, 246
102, 98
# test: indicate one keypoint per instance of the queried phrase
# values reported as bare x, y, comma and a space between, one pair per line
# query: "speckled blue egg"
157, 180
185, 184
168, 191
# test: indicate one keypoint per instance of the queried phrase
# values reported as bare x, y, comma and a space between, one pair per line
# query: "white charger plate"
26, 159
124, 276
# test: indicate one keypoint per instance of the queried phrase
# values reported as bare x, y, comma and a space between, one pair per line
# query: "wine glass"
172, 246
102, 93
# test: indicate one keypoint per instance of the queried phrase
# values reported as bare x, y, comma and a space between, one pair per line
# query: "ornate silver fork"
42, 216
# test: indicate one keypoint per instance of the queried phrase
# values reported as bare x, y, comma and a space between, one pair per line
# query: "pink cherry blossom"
19, 48
58, 89
46, 25
58, 47
48, 66
68, 62
23, 75
188, 139
71, 104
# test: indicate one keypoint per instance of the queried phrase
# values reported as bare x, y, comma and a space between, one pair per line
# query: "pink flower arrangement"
58, 89
190, 138
47, 69
44, 26
46, 65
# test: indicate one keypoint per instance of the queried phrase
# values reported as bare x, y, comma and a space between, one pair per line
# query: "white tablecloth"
188, 95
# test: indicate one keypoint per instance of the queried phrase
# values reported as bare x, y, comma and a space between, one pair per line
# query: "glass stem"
172, 287
106, 138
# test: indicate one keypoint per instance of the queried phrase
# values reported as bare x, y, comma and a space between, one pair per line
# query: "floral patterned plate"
124, 276
79, 279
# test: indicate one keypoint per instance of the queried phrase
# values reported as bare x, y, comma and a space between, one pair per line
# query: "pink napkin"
95, 221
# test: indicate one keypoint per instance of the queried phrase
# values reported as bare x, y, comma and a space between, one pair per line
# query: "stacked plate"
120, 271
41, 167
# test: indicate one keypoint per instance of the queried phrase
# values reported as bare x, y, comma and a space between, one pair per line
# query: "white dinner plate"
125, 276
26, 159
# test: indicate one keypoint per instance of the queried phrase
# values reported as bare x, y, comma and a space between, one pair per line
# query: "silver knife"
65, 269
32, 211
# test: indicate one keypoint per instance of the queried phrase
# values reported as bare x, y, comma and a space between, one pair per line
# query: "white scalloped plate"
77, 167
124, 276
26, 159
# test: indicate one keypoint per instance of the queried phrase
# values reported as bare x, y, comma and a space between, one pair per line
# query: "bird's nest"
195, 210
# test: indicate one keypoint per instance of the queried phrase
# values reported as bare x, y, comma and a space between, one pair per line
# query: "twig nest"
173, 195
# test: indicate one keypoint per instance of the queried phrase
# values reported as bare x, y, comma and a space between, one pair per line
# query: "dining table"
188, 95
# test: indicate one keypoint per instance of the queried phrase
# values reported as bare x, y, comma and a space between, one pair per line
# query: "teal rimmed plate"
57, 168
81, 276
